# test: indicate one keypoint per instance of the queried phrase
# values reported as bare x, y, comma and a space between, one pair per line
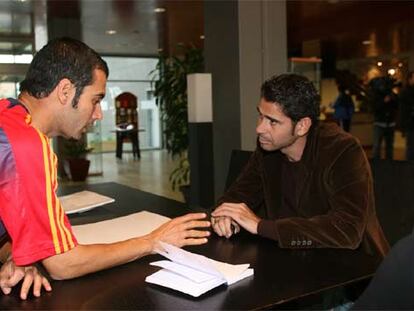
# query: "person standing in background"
407, 115
385, 106
344, 108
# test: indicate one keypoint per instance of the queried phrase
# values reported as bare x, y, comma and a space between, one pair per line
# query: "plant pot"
78, 169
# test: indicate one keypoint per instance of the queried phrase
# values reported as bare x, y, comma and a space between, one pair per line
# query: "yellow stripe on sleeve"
49, 193
67, 240
59, 220
68, 234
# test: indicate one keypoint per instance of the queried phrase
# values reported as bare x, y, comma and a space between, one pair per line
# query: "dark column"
200, 151
221, 51
245, 43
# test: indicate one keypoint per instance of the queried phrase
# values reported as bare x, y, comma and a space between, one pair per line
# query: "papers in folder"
83, 201
194, 274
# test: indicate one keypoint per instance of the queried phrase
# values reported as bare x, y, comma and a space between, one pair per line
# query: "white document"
118, 229
83, 201
194, 274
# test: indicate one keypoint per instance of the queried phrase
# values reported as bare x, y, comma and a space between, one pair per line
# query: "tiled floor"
150, 173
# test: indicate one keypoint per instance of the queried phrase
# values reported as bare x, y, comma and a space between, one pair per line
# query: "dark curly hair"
62, 58
295, 94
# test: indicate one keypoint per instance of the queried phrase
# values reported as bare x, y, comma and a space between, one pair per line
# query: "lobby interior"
243, 42
365, 38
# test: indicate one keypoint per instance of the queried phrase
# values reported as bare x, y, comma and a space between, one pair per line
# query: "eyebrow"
267, 117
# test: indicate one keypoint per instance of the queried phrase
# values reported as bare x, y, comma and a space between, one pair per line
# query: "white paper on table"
83, 201
194, 274
118, 229
175, 281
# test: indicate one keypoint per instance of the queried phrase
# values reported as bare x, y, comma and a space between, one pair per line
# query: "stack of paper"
119, 229
194, 274
83, 201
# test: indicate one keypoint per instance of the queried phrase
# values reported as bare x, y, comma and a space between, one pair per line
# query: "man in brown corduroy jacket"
312, 179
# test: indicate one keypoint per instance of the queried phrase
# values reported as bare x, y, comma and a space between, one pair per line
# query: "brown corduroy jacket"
335, 203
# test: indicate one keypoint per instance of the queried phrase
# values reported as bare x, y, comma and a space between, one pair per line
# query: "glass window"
8, 89
127, 74
16, 59
15, 23
130, 68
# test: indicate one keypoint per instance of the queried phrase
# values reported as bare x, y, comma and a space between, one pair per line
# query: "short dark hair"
62, 58
295, 94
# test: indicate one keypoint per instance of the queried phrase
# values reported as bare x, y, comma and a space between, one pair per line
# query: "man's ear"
64, 90
302, 126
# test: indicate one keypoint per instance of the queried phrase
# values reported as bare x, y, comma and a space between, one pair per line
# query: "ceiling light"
391, 71
379, 64
366, 42
202, 37
400, 65
111, 32
159, 10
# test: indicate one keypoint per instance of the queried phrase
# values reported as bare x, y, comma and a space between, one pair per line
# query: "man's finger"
197, 234
217, 229
197, 224
219, 226
195, 241
27, 283
46, 284
37, 284
229, 231
223, 227
227, 213
236, 227
190, 216
225, 208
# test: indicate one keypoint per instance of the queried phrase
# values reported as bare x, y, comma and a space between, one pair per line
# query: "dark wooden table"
281, 275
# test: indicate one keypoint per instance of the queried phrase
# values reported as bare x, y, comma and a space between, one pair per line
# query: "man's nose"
97, 112
261, 126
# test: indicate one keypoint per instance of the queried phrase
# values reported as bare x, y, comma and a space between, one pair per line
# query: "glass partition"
128, 74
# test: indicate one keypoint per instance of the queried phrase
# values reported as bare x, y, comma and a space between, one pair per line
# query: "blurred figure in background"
344, 108
385, 106
407, 115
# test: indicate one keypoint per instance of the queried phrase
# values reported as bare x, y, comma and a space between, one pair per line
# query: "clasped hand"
228, 217
10, 275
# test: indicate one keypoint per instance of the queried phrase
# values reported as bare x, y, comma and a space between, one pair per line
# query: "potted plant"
170, 90
75, 152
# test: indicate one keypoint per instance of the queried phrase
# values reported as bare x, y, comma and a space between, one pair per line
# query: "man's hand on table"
224, 226
229, 216
182, 231
10, 275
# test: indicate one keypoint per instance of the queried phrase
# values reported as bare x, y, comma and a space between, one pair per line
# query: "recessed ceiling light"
391, 71
159, 10
111, 32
